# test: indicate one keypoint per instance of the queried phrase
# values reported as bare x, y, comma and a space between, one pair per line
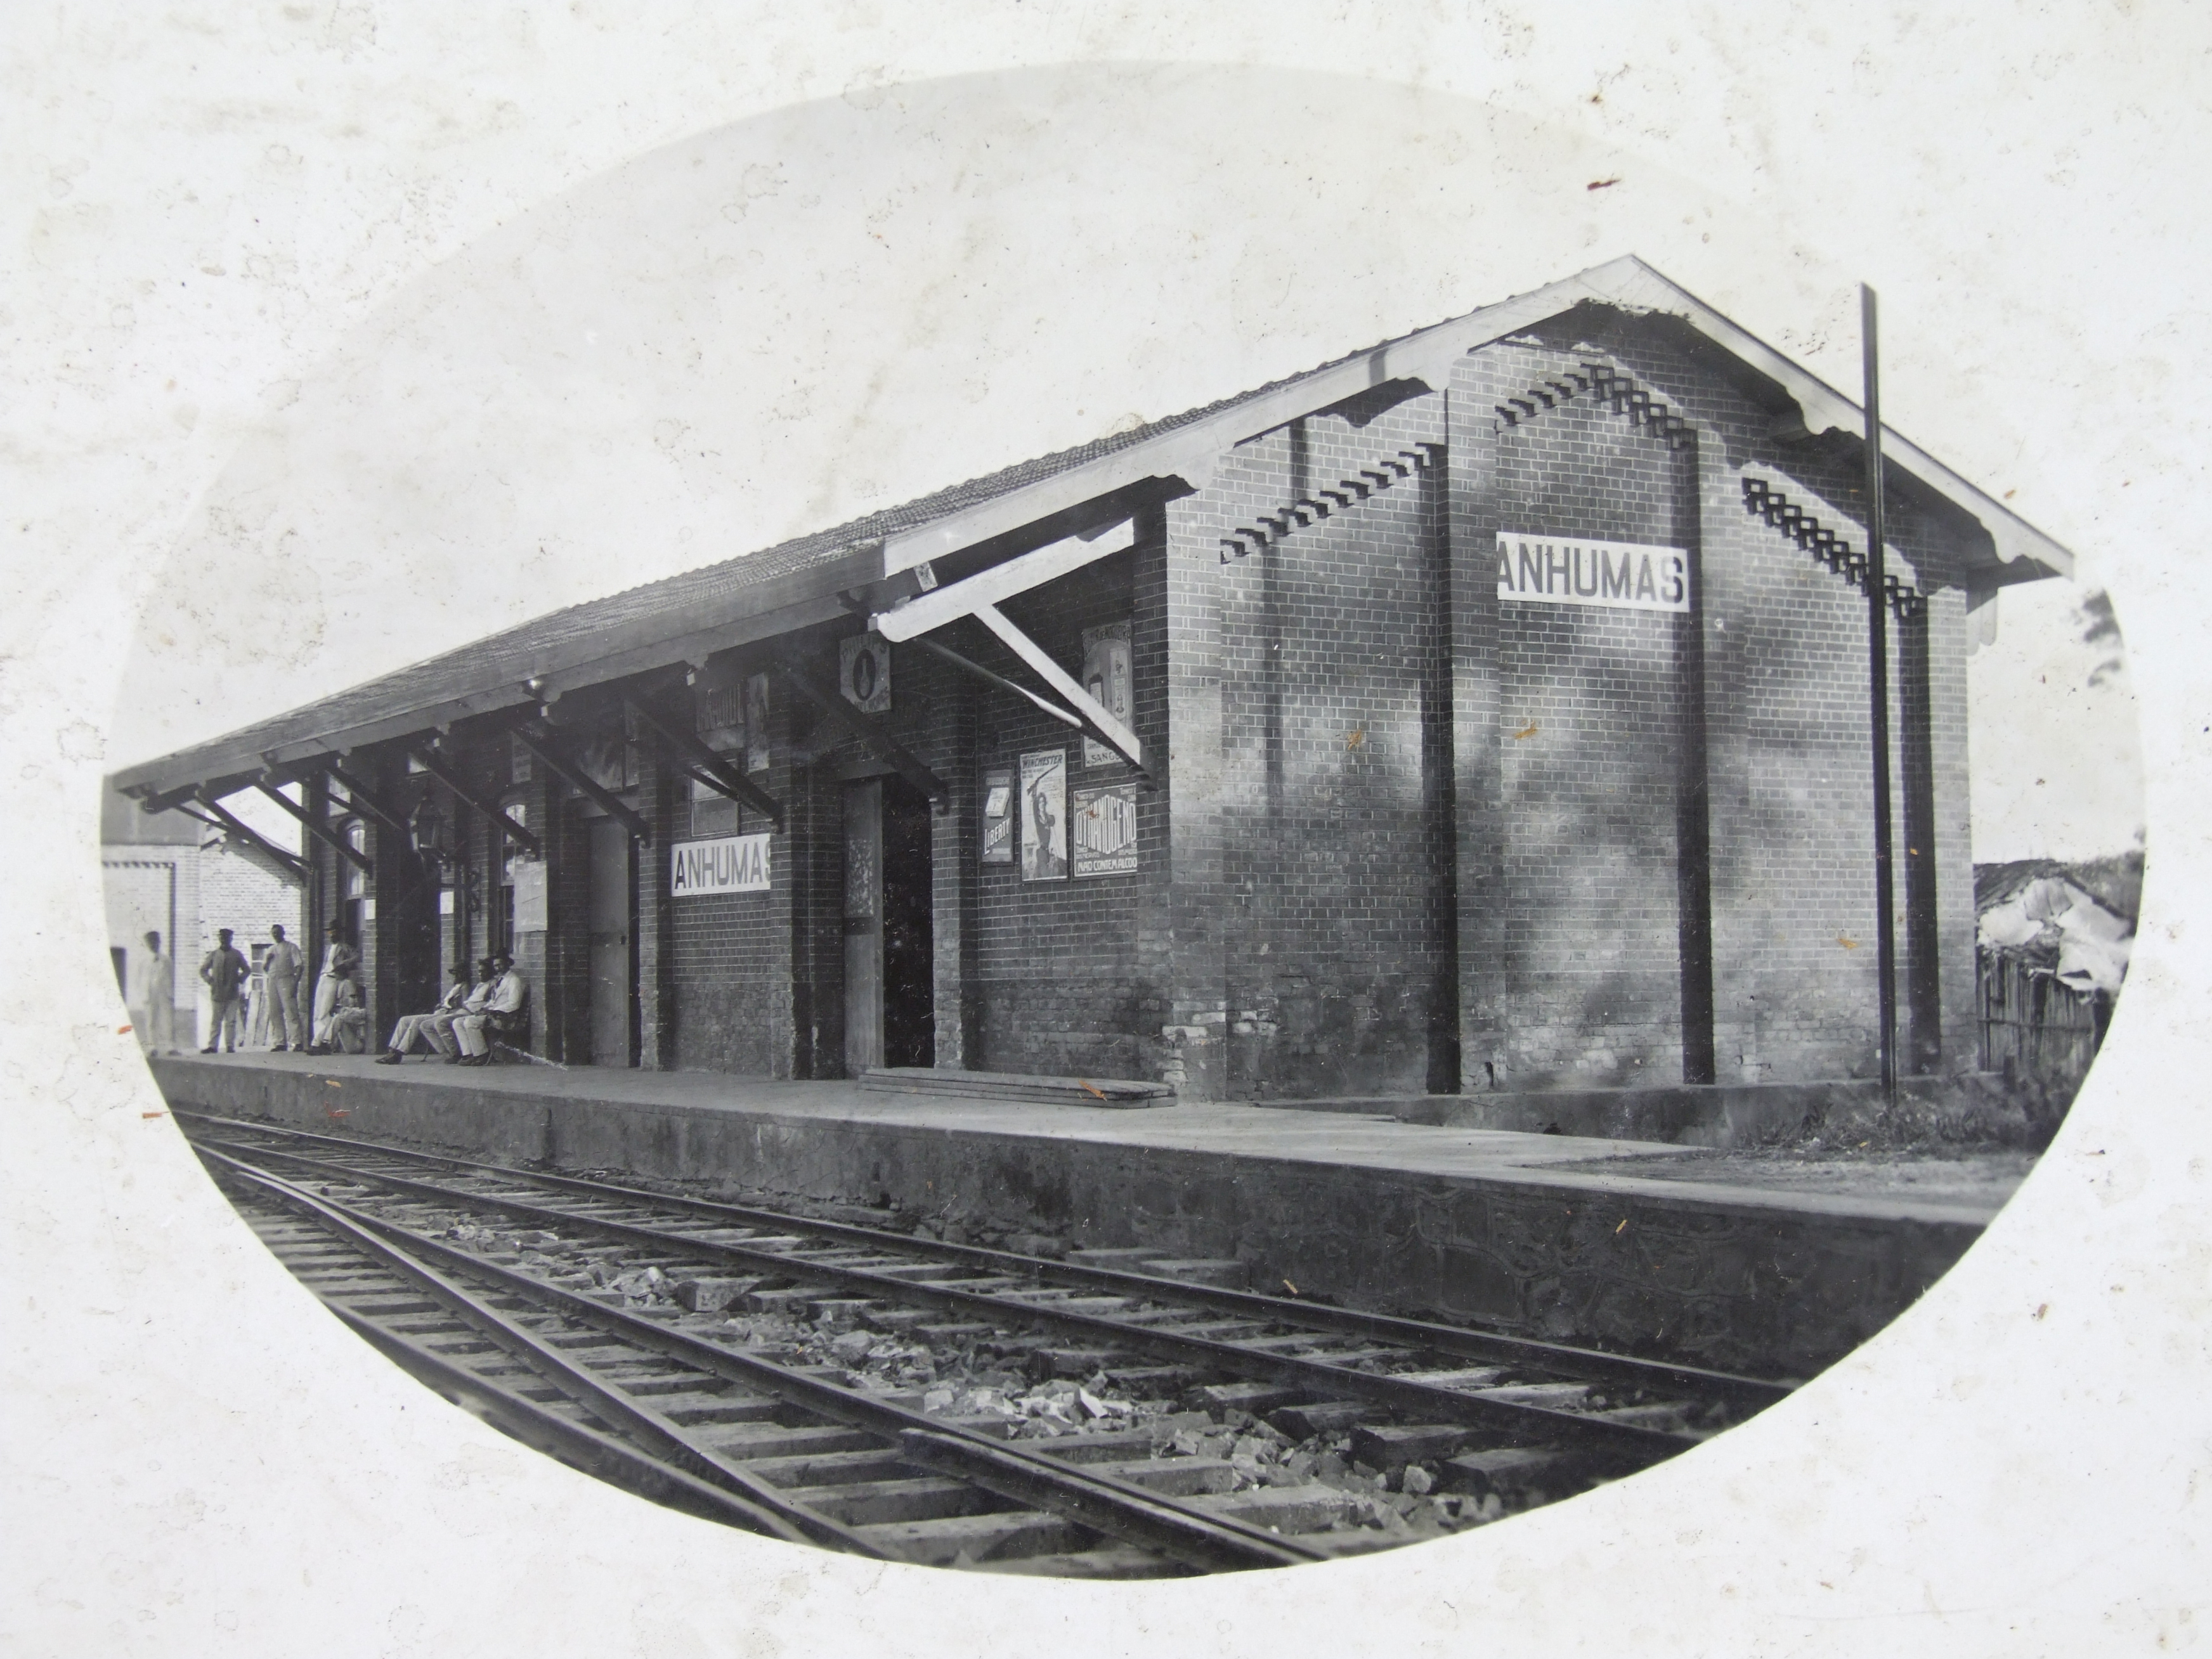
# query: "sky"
2054, 746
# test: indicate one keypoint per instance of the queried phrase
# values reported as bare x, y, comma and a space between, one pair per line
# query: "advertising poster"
529, 897
1044, 808
999, 817
1106, 677
1104, 831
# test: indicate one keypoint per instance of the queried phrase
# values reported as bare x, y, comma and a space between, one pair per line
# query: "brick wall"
1586, 948
1333, 782
1059, 986
733, 958
1788, 748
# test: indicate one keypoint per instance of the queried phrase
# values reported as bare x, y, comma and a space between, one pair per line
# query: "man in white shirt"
159, 977
281, 970
505, 1016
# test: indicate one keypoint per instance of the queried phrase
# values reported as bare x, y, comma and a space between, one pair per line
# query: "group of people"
492, 1006
336, 1019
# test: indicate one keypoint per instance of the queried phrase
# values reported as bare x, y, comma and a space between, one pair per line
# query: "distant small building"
184, 879
2052, 946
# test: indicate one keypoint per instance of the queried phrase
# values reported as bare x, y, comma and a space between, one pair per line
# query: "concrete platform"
1525, 1232
1717, 1115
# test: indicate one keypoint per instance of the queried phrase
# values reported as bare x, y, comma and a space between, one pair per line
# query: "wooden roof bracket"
248, 835
883, 748
543, 747
694, 756
321, 832
151, 800
999, 680
437, 767
360, 794
978, 596
1108, 730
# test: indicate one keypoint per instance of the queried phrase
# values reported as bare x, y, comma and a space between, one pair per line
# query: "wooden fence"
2032, 1025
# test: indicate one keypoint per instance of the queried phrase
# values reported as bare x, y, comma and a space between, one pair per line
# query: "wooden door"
907, 905
613, 948
864, 931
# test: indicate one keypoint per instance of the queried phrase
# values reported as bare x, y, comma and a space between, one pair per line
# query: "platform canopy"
1073, 502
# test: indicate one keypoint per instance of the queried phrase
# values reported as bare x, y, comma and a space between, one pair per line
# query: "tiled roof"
507, 657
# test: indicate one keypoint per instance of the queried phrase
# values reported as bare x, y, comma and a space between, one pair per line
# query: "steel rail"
1150, 1520
1522, 1420
773, 1511
1586, 1365
531, 1423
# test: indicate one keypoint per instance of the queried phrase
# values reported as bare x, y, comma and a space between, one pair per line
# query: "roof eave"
1632, 285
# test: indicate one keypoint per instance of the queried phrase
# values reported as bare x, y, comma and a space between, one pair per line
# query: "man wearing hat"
223, 971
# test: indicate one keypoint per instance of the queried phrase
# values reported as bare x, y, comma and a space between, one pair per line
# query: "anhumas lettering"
728, 864
1623, 575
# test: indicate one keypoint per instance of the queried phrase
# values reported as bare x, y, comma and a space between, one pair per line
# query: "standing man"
161, 981
339, 958
223, 971
281, 970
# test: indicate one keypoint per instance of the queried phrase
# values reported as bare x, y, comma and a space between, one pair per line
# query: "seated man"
345, 1028
339, 959
413, 1029
505, 1016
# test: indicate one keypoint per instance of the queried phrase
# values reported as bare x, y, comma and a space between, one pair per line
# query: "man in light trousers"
281, 970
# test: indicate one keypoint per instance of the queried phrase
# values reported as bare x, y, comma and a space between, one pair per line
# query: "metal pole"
1878, 695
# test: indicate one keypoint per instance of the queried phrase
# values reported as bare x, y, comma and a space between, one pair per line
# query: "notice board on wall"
529, 897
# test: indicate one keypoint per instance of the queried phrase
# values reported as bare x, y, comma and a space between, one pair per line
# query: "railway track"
1115, 1414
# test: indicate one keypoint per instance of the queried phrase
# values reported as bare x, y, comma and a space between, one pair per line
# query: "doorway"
613, 963
891, 1003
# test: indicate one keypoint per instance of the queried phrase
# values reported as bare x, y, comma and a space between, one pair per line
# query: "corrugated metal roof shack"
1486, 709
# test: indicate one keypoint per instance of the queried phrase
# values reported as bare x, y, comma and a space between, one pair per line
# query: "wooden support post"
1885, 919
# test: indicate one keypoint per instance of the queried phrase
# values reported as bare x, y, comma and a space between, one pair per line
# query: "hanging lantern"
427, 830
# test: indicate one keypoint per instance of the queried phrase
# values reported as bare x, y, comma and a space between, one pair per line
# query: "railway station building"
1485, 710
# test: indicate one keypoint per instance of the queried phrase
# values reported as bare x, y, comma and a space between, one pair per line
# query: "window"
356, 883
